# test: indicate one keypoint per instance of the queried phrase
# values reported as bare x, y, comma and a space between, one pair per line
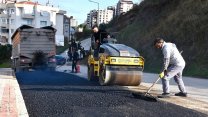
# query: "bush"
5, 52
183, 22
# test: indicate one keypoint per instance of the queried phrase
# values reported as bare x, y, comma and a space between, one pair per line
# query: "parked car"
60, 60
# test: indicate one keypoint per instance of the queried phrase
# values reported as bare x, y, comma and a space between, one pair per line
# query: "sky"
80, 8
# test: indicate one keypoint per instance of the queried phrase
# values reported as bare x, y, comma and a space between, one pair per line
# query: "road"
62, 94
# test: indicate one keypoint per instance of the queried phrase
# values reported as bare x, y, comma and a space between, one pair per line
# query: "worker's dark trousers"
176, 72
74, 64
96, 51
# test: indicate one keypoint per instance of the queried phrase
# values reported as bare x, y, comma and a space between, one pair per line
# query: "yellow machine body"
116, 70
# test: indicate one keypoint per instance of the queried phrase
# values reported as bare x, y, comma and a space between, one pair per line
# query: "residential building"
113, 8
3, 24
123, 6
66, 27
73, 22
73, 26
8, 1
105, 16
13, 15
91, 18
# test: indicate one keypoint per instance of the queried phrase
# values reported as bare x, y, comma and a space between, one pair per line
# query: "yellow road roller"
116, 64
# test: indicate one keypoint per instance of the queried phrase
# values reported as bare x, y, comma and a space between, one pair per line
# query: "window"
3, 20
12, 11
44, 13
43, 23
12, 21
66, 26
3, 11
29, 21
12, 30
4, 30
7, 21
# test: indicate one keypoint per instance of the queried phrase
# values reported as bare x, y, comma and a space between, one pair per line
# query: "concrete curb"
11, 100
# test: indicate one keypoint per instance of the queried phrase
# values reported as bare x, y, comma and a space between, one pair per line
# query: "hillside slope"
184, 22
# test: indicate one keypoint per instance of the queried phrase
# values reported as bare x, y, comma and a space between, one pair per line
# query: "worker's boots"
181, 94
164, 95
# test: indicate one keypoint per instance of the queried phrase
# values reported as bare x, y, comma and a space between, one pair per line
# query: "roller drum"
120, 75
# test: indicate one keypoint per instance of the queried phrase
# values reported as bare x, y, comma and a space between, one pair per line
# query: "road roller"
116, 64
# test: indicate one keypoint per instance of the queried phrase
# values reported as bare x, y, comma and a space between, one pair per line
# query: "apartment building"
15, 14
105, 16
123, 6
112, 8
91, 18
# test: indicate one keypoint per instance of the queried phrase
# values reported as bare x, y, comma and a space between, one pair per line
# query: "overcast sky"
80, 8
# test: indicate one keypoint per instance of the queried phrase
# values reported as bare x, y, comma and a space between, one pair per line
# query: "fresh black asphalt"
57, 94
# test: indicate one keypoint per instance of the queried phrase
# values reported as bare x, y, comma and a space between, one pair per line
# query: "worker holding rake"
173, 65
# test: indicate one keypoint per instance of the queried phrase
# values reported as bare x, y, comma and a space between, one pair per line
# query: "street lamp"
98, 11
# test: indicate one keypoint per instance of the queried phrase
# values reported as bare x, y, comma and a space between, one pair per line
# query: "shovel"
146, 96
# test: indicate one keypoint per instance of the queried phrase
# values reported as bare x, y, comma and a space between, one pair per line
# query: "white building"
73, 26
13, 15
123, 6
105, 16
66, 27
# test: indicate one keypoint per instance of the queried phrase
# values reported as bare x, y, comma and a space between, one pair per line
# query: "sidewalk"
11, 100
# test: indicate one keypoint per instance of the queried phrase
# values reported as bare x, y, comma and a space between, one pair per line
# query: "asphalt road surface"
59, 94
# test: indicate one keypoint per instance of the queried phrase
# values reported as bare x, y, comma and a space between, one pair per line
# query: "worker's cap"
158, 40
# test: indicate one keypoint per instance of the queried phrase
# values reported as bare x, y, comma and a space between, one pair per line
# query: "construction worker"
75, 58
173, 65
98, 35
69, 53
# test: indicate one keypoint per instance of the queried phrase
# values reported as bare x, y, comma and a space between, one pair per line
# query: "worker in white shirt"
173, 65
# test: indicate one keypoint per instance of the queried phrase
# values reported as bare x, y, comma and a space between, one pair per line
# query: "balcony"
28, 16
3, 12
4, 25
6, 35
3, 15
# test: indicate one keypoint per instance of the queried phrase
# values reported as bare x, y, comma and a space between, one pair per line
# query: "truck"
33, 48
